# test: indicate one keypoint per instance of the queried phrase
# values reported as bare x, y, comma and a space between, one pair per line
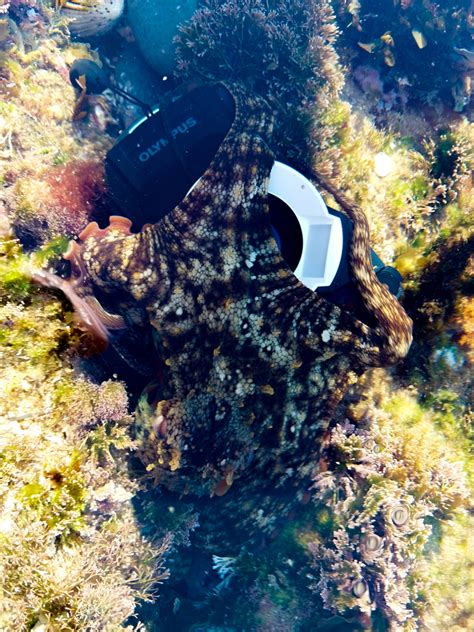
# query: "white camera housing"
322, 232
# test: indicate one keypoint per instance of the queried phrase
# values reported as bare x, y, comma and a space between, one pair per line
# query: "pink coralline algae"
75, 191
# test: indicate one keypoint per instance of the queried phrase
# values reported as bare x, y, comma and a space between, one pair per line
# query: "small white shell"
373, 542
400, 515
92, 18
359, 588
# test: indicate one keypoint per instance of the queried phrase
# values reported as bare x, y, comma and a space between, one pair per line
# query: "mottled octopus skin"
255, 362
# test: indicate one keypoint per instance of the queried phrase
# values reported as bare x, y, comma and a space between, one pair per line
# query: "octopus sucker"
285, 354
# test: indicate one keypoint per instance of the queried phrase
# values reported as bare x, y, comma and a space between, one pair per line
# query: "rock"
154, 24
135, 76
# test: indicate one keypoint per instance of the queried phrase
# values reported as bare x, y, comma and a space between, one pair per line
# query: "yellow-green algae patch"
71, 553
72, 556
451, 570
425, 192
41, 147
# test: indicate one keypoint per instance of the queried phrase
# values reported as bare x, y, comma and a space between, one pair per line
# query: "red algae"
77, 193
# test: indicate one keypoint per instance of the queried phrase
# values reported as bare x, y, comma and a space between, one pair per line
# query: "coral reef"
421, 212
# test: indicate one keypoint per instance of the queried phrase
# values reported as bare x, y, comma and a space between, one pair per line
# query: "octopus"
254, 363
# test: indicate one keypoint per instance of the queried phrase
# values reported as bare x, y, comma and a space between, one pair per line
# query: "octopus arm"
114, 259
388, 339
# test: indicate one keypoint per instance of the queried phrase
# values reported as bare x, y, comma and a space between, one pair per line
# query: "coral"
429, 169
71, 553
399, 204
421, 214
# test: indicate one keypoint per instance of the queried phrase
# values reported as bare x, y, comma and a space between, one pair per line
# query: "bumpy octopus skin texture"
255, 362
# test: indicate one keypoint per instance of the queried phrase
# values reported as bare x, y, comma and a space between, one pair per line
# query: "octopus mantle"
254, 362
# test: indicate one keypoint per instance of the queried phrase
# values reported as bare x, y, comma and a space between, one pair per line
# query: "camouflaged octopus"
254, 362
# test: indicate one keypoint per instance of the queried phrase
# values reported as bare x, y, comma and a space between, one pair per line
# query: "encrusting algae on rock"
343, 518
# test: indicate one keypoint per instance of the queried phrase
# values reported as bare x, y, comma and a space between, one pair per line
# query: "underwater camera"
158, 159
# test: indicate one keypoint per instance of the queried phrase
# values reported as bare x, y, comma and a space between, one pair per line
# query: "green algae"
14, 281
451, 591
51, 480
57, 497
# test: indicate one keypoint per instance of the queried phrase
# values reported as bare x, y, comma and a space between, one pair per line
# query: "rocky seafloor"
377, 535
